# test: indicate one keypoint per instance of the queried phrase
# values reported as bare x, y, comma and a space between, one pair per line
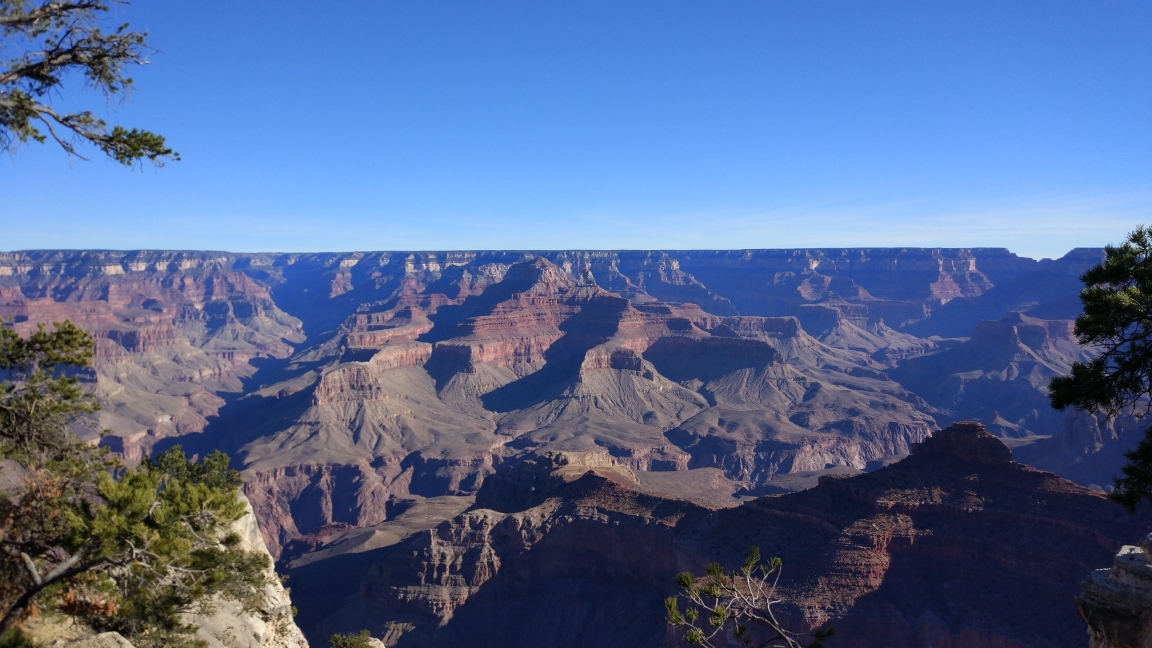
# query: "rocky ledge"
1117, 602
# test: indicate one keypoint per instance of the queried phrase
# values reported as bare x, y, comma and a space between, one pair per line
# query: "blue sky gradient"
428, 124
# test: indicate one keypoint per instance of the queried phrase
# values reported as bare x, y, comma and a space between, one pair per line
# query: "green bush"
359, 640
17, 639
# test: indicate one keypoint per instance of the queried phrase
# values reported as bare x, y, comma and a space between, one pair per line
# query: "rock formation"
102, 640
543, 360
272, 626
956, 545
1117, 602
999, 376
341, 382
1088, 448
175, 332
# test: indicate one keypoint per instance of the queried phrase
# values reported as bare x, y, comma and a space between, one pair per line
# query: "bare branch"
31, 567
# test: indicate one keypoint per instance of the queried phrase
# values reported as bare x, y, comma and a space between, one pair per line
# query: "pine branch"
15, 18
61, 41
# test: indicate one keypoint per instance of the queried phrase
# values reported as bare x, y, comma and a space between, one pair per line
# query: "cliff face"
954, 546
272, 626
1088, 449
999, 375
176, 332
342, 382
1117, 602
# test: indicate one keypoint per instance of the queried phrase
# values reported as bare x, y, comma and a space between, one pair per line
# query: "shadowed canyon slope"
347, 384
954, 546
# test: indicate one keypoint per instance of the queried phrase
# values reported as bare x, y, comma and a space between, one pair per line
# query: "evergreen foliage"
38, 404
721, 604
17, 639
124, 549
45, 41
1117, 320
359, 640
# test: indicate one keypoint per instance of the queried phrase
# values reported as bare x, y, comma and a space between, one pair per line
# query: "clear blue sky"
427, 124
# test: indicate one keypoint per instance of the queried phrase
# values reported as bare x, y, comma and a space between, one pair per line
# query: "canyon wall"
956, 545
345, 383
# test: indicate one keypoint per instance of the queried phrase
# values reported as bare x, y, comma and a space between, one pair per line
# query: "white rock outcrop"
1117, 602
102, 640
272, 626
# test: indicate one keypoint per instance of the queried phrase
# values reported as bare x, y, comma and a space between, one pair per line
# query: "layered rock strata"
175, 332
342, 381
955, 546
544, 360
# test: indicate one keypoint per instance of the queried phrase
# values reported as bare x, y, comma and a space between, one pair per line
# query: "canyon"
955, 545
375, 398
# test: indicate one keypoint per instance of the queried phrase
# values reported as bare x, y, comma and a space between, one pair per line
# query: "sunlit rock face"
269, 626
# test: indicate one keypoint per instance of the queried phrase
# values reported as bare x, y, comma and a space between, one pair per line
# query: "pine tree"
1117, 320
124, 549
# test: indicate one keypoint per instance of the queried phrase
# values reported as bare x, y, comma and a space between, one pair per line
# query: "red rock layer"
172, 331
954, 546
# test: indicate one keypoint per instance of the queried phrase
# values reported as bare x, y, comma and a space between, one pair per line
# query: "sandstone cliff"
272, 626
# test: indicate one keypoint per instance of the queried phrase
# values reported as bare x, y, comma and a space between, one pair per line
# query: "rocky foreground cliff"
1116, 601
954, 546
348, 384
271, 625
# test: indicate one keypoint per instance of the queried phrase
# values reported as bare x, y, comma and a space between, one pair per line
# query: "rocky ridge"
956, 545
